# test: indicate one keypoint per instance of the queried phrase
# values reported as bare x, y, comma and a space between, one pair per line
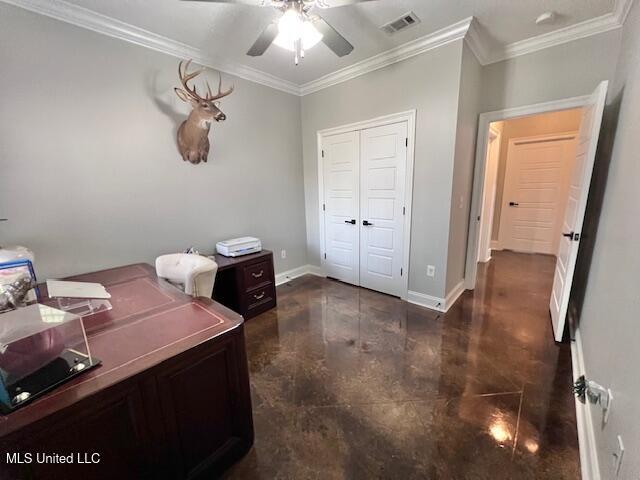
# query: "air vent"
405, 21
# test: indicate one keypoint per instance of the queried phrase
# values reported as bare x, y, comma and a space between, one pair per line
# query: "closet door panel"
341, 196
383, 160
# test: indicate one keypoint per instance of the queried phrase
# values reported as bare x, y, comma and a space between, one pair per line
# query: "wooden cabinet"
170, 401
204, 403
246, 284
110, 429
188, 418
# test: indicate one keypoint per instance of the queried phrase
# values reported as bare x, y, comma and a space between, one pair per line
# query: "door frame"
552, 137
408, 116
485, 227
485, 120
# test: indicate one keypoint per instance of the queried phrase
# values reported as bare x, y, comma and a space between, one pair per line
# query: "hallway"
350, 383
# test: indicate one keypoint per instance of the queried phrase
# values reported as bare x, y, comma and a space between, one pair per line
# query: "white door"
341, 179
383, 164
535, 193
575, 209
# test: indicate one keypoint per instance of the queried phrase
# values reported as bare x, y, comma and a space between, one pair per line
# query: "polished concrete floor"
350, 383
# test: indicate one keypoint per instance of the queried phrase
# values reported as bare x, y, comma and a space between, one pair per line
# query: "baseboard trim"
427, 301
288, 275
436, 303
454, 294
586, 436
315, 270
495, 245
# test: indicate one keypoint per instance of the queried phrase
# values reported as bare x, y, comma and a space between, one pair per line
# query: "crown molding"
467, 29
593, 26
621, 10
476, 43
85, 18
410, 49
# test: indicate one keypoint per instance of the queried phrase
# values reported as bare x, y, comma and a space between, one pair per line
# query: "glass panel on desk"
40, 347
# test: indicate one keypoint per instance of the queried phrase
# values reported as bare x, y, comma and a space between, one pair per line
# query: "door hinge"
324, 207
325, 256
406, 142
404, 210
401, 271
322, 153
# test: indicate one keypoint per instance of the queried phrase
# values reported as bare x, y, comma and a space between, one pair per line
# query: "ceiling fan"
297, 29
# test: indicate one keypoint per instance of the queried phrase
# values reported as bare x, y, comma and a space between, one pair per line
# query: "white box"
239, 246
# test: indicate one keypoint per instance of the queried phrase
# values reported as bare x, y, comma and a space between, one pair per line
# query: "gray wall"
609, 317
430, 84
567, 70
464, 160
90, 175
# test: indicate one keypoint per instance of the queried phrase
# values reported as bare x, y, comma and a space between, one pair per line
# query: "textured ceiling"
226, 31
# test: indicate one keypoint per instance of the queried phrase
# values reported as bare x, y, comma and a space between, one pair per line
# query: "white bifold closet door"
383, 162
364, 190
341, 164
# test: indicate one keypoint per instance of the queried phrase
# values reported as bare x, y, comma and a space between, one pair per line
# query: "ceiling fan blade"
255, 3
265, 39
332, 39
338, 3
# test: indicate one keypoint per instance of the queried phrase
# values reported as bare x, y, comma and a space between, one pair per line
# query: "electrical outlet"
431, 271
283, 254
617, 456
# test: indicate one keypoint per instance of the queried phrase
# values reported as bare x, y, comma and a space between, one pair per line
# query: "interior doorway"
541, 187
528, 164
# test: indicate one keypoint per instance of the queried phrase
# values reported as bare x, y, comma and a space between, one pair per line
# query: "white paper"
59, 288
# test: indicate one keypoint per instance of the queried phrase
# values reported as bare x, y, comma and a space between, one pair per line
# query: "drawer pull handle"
257, 275
259, 297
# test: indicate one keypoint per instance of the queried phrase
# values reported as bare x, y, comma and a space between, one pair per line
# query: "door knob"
352, 221
572, 236
366, 223
513, 204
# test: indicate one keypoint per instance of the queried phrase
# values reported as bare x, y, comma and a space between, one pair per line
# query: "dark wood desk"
246, 284
170, 400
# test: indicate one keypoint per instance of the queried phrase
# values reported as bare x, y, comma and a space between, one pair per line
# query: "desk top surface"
150, 321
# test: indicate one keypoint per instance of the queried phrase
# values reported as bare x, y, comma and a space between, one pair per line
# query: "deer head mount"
193, 133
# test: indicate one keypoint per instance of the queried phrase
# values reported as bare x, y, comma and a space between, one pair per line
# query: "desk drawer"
260, 299
257, 275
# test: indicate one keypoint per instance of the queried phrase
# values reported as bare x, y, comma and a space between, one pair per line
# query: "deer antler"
185, 77
220, 93
192, 92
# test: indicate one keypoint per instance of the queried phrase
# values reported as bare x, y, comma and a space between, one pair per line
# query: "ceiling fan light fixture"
292, 27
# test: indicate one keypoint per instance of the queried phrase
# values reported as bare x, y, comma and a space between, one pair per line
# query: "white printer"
239, 246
